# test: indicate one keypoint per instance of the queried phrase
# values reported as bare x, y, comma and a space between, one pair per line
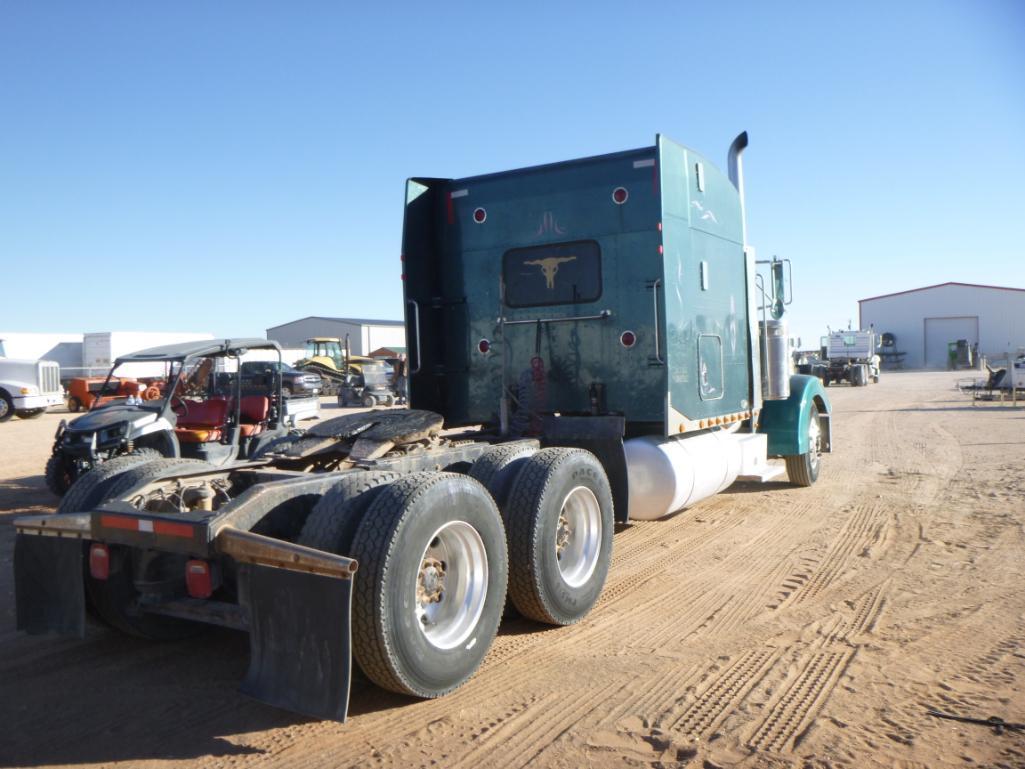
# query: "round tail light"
483, 346
628, 339
479, 215
619, 195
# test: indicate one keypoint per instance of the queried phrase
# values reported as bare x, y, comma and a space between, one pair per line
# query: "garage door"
939, 332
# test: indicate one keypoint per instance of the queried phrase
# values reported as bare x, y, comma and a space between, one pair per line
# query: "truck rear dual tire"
332, 524
431, 584
497, 467
559, 519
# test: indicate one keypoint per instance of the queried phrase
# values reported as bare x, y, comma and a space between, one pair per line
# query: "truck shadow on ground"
111, 698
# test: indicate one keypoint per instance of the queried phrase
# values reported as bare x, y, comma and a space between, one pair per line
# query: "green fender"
786, 422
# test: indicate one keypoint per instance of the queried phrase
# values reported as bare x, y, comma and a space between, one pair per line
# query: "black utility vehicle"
191, 411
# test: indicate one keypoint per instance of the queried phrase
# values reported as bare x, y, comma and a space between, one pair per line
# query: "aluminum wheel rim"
814, 441
4, 408
578, 536
451, 585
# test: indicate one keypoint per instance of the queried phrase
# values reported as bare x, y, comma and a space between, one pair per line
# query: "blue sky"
226, 167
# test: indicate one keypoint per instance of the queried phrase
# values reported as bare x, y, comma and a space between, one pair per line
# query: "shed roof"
355, 321
940, 285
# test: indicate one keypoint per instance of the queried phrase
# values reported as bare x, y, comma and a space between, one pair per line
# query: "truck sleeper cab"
594, 328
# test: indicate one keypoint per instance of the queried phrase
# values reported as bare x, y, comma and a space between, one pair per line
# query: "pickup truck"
293, 381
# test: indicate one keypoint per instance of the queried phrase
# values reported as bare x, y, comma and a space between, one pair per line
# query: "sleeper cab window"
557, 273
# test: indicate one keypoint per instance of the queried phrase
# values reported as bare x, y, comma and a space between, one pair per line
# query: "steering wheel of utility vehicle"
180, 407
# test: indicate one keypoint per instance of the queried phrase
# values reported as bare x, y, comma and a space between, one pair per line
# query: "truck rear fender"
785, 422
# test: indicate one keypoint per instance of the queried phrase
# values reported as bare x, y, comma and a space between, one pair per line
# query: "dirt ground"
770, 626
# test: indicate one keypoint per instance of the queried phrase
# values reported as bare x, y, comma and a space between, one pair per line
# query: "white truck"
850, 356
28, 387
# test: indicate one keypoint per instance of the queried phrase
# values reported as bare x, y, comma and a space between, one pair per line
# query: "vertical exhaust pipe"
756, 351
736, 172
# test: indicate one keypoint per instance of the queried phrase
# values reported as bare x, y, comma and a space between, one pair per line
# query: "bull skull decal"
549, 266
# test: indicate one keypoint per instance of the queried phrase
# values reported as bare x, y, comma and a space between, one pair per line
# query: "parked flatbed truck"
597, 327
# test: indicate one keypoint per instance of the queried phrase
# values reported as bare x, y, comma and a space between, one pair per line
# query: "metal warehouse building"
364, 335
925, 320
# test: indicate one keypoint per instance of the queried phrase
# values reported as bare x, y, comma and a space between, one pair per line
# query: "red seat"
202, 421
253, 411
254, 408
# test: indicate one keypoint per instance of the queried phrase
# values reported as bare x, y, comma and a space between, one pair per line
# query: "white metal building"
364, 334
90, 354
925, 320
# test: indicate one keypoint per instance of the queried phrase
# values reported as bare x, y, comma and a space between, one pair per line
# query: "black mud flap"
49, 585
299, 643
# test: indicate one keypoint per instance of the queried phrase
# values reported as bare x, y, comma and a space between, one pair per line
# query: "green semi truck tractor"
590, 342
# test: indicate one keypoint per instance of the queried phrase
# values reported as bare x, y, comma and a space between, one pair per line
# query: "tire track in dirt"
799, 704
515, 744
990, 668
722, 694
863, 529
749, 604
790, 714
704, 605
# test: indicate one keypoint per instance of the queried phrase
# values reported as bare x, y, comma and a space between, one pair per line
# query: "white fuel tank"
669, 474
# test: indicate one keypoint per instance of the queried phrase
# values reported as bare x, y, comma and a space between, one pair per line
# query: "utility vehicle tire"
332, 524
6, 406
88, 491
559, 519
389, 401
113, 599
497, 468
59, 474
433, 569
369, 401
31, 413
803, 469
286, 390
74, 405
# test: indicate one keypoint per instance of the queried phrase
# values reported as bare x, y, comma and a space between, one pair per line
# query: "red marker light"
479, 215
99, 561
198, 580
619, 195
628, 339
483, 346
